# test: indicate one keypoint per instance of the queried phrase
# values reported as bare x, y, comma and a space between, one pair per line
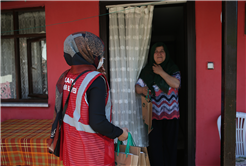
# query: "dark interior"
168, 26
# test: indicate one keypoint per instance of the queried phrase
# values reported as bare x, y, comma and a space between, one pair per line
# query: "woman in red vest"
87, 132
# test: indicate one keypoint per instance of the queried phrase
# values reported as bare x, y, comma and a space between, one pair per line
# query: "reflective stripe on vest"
76, 115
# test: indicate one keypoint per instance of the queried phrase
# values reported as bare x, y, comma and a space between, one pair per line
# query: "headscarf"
83, 48
150, 78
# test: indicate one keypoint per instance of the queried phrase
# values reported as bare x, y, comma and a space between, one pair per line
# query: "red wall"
208, 106
241, 59
56, 12
208, 49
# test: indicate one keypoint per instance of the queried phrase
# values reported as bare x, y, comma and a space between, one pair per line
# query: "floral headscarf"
83, 48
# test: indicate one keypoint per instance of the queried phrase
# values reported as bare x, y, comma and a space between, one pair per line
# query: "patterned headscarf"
83, 48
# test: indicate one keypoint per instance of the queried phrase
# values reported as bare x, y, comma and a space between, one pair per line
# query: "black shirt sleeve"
96, 95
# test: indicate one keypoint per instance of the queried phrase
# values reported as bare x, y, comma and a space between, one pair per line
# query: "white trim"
108, 107
78, 125
81, 91
148, 3
86, 99
76, 114
24, 105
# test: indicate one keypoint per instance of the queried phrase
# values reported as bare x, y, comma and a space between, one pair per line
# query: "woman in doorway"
161, 77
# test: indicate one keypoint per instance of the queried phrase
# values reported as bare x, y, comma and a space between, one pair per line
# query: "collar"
76, 69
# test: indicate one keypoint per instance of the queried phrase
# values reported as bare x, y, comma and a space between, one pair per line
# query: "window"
23, 56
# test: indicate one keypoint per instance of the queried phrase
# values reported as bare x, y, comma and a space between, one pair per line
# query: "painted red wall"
241, 59
208, 49
56, 12
208, 106
208, 82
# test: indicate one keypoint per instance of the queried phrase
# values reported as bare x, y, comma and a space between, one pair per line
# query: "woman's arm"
96, 95
170, 80
141, 90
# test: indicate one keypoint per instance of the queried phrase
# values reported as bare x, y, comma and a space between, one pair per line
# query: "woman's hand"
142, 90
157, 69
102, 70
124, 135
170, 80
145, 90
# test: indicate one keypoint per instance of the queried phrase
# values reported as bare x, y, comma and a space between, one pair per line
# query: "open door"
173, 24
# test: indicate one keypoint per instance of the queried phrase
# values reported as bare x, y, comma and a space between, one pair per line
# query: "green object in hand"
130, 142
148, 96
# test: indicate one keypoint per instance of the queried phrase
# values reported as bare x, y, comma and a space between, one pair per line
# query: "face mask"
100, 63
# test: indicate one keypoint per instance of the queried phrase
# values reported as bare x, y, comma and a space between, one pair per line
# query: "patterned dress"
165, 106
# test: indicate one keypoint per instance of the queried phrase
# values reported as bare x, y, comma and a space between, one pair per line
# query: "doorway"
174, 25
168, 26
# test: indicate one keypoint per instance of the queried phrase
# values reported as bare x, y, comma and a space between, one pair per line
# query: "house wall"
56, 12
208, 49
208, 104
241, 59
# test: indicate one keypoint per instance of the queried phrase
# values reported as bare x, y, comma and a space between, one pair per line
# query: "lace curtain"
26, 23
7, 24
29, 22
32, 22
37, 61
38, 64
130, 34
8, 81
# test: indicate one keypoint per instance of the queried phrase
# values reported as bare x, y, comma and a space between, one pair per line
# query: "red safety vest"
80, 144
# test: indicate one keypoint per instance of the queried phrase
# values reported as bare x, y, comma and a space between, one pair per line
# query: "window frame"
16, 37
29, 62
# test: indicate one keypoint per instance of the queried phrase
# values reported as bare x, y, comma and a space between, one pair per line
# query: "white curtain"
7, 78
7, 24
32, 22
39, 65
29, 22
7, 56
130, 34
36, 67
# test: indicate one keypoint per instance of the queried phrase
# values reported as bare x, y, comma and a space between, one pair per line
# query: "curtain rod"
148, 3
